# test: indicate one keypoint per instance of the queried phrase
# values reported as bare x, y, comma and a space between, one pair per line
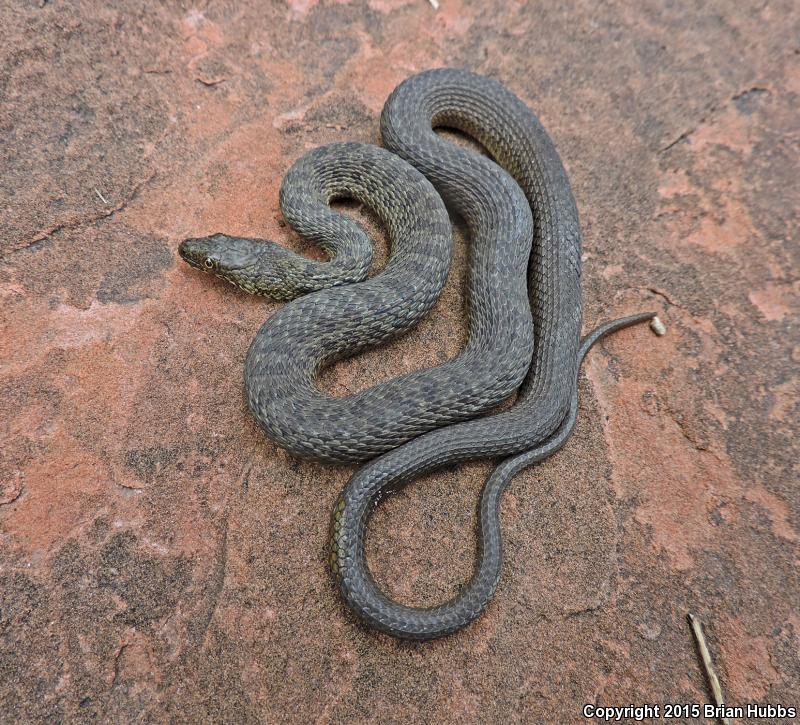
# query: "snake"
524, 317
336, 310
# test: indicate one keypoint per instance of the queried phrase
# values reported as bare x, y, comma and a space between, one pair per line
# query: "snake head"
219, 253
235, 259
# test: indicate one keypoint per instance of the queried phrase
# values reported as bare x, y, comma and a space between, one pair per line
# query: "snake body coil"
520, 213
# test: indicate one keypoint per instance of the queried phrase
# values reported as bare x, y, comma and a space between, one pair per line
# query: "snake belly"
540, 419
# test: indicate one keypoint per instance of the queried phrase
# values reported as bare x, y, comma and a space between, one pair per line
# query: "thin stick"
708, 665
102, 198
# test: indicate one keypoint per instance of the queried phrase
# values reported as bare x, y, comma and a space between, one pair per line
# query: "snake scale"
524, 312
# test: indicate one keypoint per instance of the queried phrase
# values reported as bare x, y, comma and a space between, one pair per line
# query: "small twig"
215, 81
115, 676
100, 196
708, 665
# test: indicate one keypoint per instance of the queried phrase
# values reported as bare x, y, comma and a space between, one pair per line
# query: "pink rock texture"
162, 560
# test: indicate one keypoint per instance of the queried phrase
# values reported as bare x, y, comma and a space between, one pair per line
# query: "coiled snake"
524, 316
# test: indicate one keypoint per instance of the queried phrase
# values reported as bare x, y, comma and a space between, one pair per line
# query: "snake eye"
208, 263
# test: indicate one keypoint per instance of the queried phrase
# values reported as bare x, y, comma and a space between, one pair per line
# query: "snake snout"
191, 252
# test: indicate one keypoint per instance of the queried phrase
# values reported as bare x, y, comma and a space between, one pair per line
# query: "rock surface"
161, 559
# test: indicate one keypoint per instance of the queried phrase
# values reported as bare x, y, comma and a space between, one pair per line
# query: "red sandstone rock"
160, 558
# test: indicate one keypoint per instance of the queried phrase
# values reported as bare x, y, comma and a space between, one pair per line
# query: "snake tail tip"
657, 326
